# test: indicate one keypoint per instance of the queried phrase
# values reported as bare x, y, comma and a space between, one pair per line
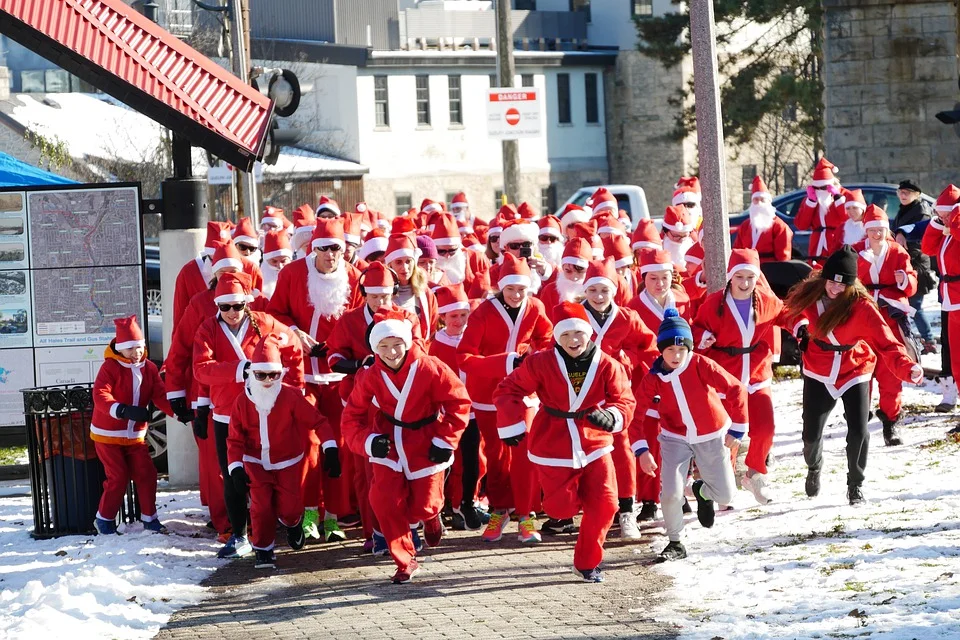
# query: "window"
381, 103
749, 173
31, 82
57, 81
581, 5
423, 100
789, 113
497, 199
593, 110
525, 5
548, 199
641, 8
563, 98
456, 104
493, 81
404, 202
526, 80
791, 177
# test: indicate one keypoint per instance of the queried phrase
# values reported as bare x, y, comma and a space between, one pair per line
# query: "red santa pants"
319, 490
648, 488
625, 464
211, 482
362, 477
399, 502
890, 387
760, 410
123, 463
274, 495
511, 477
592, 489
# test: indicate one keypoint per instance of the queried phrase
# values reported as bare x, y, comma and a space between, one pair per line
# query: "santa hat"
400, 245
875, 218
451, 298
655, 260
526, 212
646, 236
352, 232
854, 198
519, 231
687, 191
427, 248
607, 222
573, 213
428, 206
601, 272
390, 322
328, 204
268, 354
225, 256
303, 220
273, 217
823, 173
514, 270
217, 232
459, 202
276, 244
377, 279
508, 212
328, 231
603, 200
695, 254
953, 220
570, 316
743, 260
373, 242
129, 333
758, 188
471, 242
677, 219
404, 225
947, 199
586, 230
618, 248
245, 233
577, 252
445, 232
624, 219
233, 288
550, 226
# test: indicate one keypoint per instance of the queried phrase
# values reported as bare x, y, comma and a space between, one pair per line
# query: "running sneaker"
105, 527
332, 532
629, 528
433, 531
310, 520
266, 559
236, 547
417, 542
380, 547
590, 575
405, 575
555, 527
494, 531
154, 525
527, 531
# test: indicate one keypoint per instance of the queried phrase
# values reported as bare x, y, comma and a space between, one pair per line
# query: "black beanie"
909, 185
841, 266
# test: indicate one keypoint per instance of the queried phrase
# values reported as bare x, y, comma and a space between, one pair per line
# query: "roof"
119, 51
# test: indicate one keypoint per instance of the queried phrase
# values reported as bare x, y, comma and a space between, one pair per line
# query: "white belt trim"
763, 384
835, 393
580, 462
129, 434
273, 466
220, 418
479, 406
697, 439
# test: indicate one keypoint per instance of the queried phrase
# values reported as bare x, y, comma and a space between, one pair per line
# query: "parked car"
630, 198
154, 301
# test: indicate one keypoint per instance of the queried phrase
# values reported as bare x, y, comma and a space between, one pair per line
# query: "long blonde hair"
806, 293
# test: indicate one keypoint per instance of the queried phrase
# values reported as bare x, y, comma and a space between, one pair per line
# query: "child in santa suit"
822, 212
126, 384
270, 426
501, 332
852, 231
586, 399
568, 285
763, 230
423, 409
696, 411
659, 289
735, 328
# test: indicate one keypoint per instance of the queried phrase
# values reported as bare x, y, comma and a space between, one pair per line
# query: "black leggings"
236, 501
470, 456
817, 405
945, 369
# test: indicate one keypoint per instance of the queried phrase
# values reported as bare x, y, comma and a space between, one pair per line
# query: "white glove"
916, 374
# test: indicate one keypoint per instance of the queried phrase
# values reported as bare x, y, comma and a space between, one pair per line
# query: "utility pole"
716, 226
505, 73
240, 43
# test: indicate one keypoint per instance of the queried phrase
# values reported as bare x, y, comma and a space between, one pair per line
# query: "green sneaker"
331, 531
310, 520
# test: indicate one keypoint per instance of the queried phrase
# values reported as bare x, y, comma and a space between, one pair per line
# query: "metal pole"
506, 69
246, 182
716, 227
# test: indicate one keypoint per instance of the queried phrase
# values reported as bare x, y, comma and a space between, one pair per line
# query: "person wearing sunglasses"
568, 285
822, 212
518, 238
221, 361
247, 240
550, 240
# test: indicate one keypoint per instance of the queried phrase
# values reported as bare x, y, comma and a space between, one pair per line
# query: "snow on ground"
819, 568
101, 586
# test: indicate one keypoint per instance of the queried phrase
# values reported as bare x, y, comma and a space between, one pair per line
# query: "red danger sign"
513, 113
512, 116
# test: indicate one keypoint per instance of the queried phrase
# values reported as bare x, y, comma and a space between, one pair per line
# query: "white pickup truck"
631, 199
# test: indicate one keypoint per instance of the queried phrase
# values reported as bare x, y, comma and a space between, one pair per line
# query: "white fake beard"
328, 292
300, 243
270, 275
454, 267
677, 250
552, 252
824, 201
568, 290
262, 397
696, 215
853, 232
761, 216
462, 214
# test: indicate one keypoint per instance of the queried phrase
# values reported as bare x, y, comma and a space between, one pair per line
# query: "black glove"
439, 454
319, 350
331, 462
602, 419
514, 441
519, 361
181, 410
246, 369
380, 446
200, 422
347, 366
368, 361
240, 480
133, 412
803, 338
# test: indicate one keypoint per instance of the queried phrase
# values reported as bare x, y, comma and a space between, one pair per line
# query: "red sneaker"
224, 537
433, 531
403, 576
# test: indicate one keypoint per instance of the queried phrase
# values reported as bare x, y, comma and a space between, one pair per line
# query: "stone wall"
889, 68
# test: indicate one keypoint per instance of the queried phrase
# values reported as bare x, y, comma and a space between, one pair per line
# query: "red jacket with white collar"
946, 249
194, 277
423, 387
650, 312
823, 225
878, 273
122, 382
278, 439
696, 402
178, 365
625, 338
774, 245
492, 341
564, 442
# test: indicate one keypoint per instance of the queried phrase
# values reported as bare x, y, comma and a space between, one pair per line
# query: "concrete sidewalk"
465, 589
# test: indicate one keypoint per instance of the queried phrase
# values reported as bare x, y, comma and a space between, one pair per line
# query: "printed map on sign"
84, 228
78, 306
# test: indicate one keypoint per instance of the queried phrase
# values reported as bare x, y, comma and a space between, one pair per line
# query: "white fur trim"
743, 267
368, 443
522, 232
391, 329
272, 221
323, 242
353, 239
328, 444
448, 242
328, 207
372, 245
606, 205
600, 280
762, 194
512, 430
550, 231
130, 344
255, 242
876, 224
822, 183
854, 203
679, 228
644, 244
234, 465
514, 279
378, 290
266, 367
574, 216
686, 196
278, 253
647, 268
400, 253
575, 261
944, 208
455, 306
613, 230
226, 263
230, 298
442, 444
623, 262
572, 324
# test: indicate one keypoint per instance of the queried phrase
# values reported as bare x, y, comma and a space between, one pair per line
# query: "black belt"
766, 255
574, 415
737, 351
950, 278
416, 424
876, 287
827, 346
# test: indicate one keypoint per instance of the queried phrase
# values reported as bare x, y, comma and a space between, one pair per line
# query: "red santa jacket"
123, 382
625, 338
823, 225
219, 358
492, 341
550, 296
278, 439
774, 245
426, 312
753, 369
864, 334
178, 365
651, 314
194, 277
572, 442
696, 402
486, 281
291, 305
878, 273
947, 252
423, 388
444, 347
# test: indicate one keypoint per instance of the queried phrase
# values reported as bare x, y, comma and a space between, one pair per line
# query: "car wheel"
156, 440
154, 302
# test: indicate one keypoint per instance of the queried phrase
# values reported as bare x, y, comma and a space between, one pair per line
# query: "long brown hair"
253, 321
806, 293
418, 281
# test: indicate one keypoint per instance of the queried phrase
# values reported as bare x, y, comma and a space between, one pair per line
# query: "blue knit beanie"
674, 330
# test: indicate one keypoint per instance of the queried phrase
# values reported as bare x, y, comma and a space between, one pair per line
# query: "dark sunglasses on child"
267, 375
234, 307
516, 246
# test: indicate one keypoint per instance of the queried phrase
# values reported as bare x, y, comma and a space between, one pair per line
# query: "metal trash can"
66, 477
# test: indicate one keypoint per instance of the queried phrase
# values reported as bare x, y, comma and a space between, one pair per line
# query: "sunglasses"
267, 375
819, 188
516, 246
688, 205
575, 267
245, 248
494, 239
232, 307
330, 248
549, 239
446, 253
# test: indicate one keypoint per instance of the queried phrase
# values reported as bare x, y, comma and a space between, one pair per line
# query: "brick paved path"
465, 589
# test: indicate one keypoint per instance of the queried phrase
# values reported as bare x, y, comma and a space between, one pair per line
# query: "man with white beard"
277, 254
550, 240
310, 296
852, 230
763, 230
822, 211
568, 285
687, 195
451, 257
676, 228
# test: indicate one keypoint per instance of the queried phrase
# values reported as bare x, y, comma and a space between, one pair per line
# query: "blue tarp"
14, 173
